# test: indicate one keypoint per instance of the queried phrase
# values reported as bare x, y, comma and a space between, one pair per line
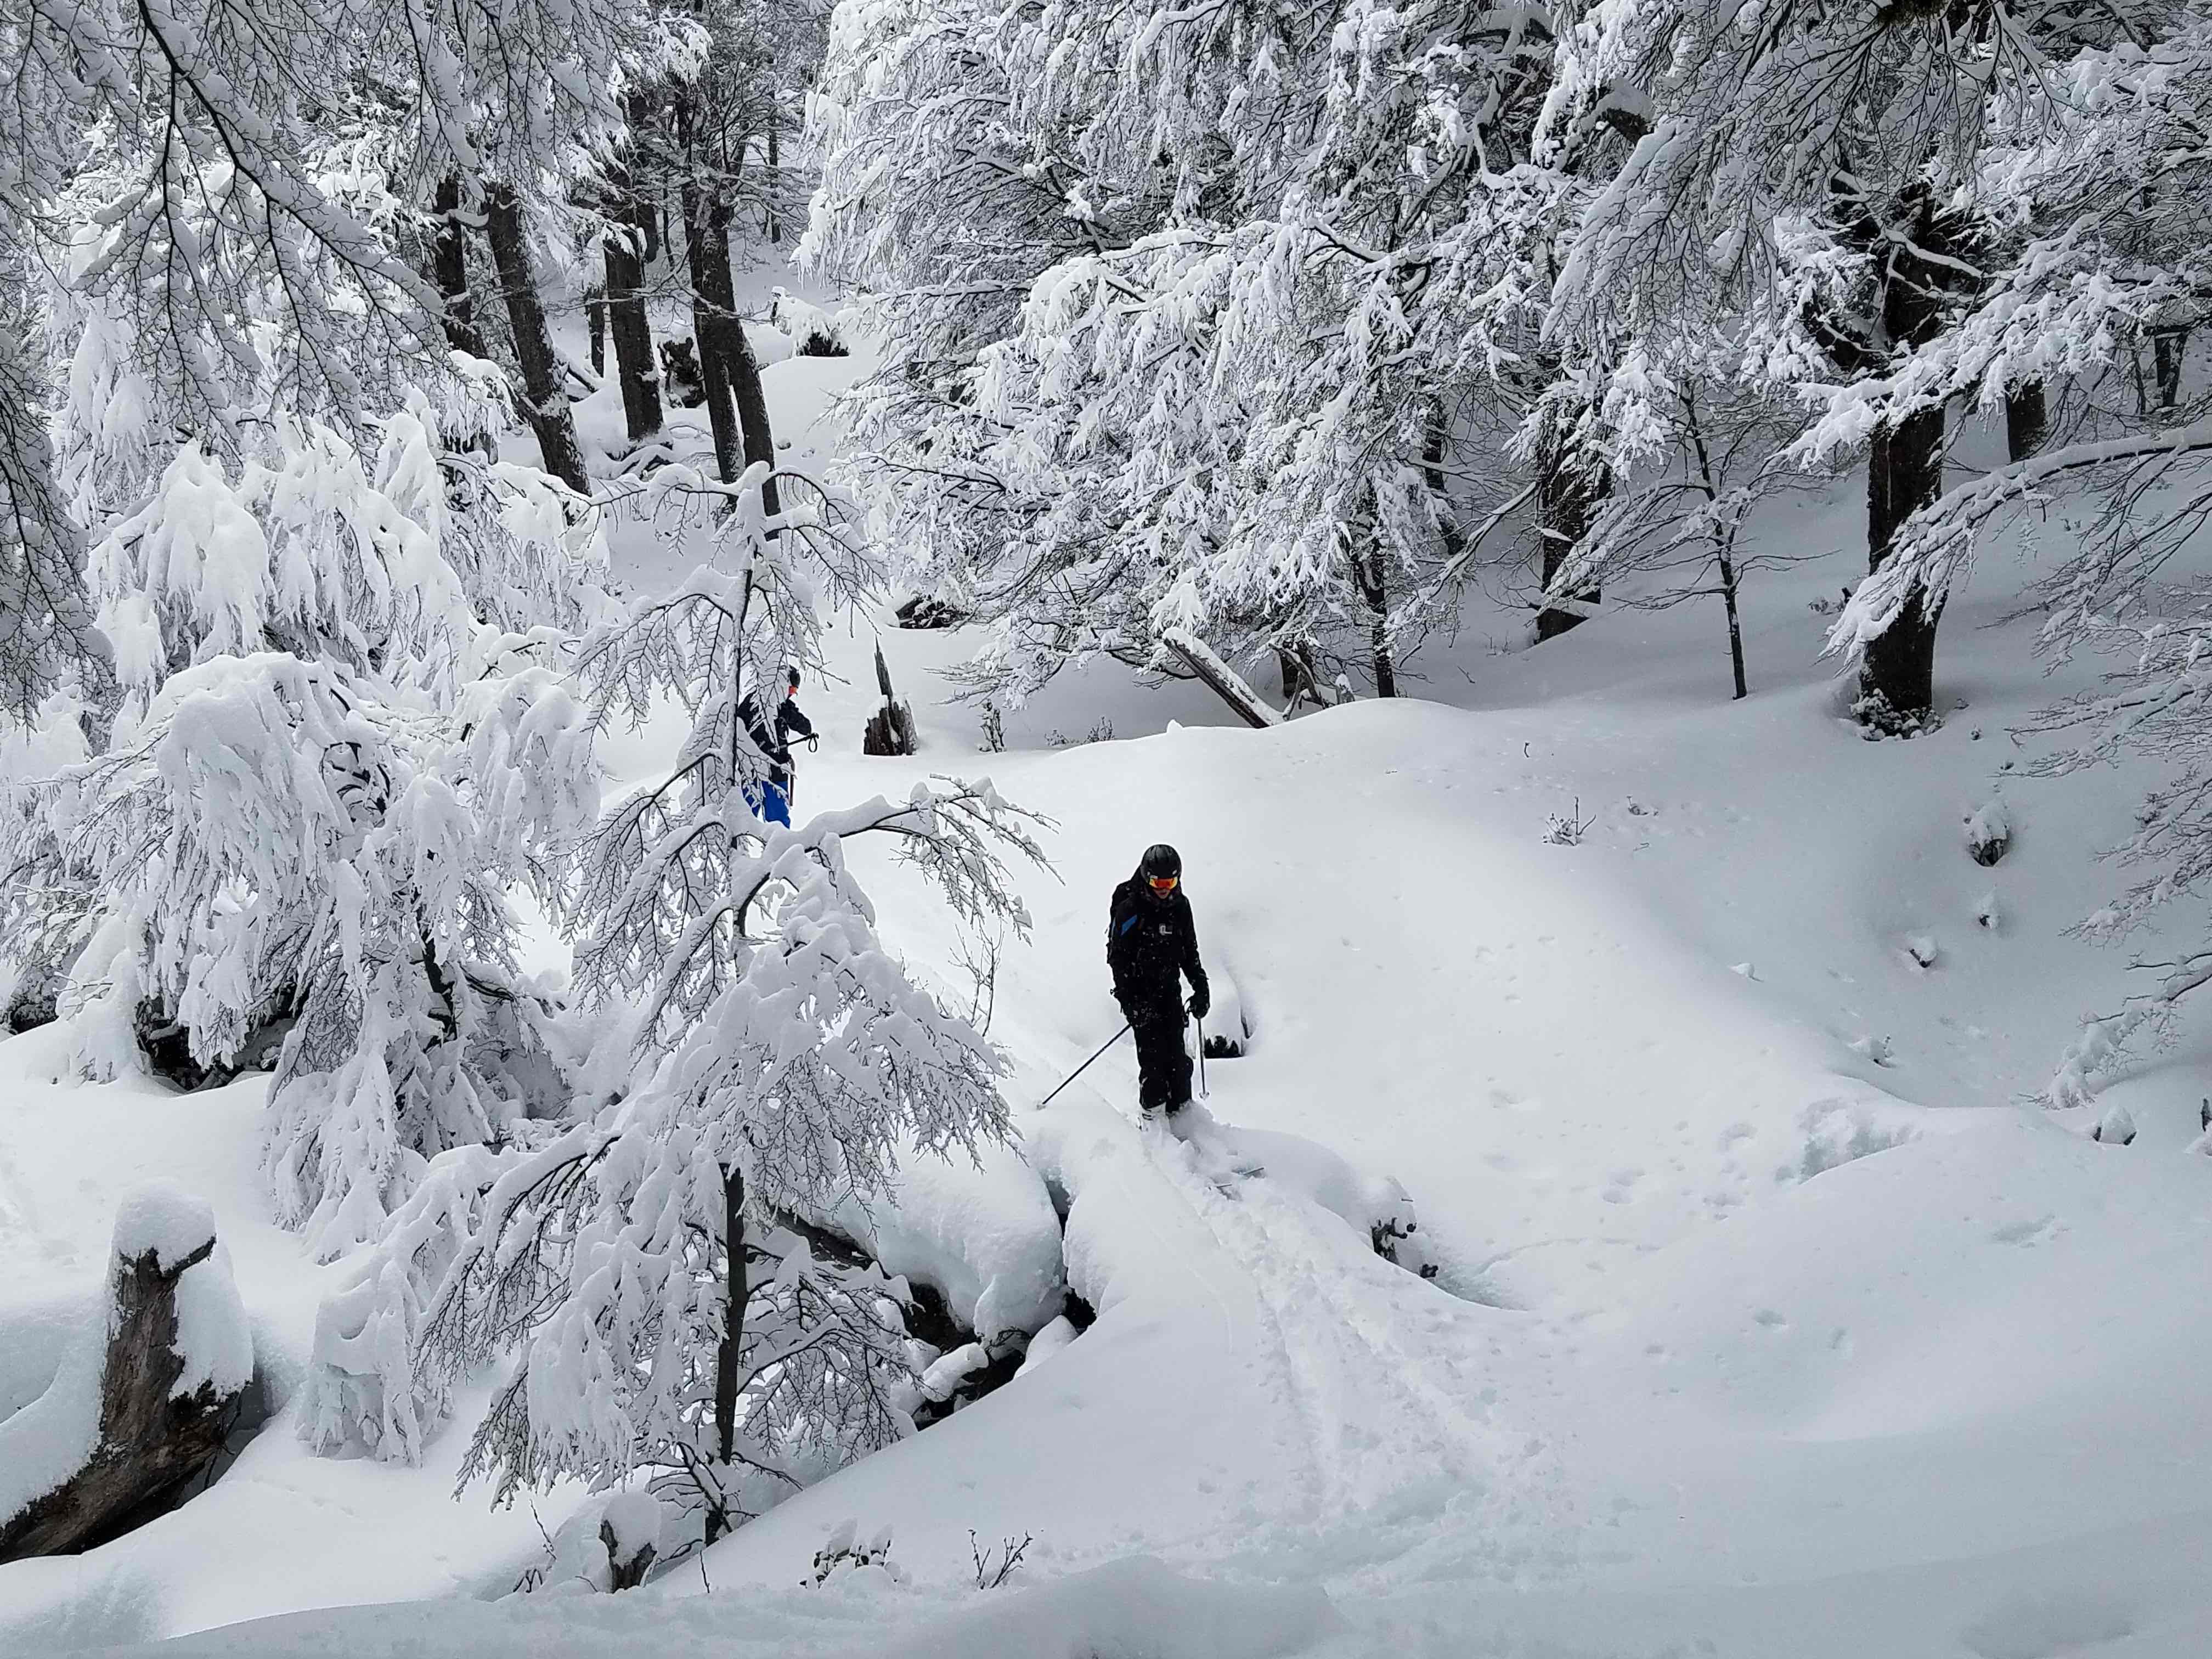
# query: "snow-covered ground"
1771, 1318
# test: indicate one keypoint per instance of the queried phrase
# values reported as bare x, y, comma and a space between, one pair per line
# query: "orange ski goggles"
1164, 884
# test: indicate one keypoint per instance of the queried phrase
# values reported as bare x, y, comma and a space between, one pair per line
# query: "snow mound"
162, 1216
49, 1440
982, 1234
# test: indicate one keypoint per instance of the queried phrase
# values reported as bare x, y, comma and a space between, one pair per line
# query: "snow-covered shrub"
813, 332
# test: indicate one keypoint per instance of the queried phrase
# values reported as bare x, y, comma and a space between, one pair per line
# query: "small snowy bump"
1920, 950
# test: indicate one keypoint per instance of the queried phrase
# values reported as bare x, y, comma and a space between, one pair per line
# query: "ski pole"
1201, 1055
1085, 1067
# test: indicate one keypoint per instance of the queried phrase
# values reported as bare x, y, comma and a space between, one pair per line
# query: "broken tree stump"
890, 729
144, 1399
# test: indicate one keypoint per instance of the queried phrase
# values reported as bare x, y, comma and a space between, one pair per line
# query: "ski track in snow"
1374, 1367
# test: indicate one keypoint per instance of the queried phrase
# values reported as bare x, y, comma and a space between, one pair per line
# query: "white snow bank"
983, 1234
49, 1440
1133, 1609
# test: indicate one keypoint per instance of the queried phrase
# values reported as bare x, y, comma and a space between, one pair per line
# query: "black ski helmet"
1160, 861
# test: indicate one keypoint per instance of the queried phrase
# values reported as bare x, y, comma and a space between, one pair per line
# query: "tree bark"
2028, 420
150, 1443
625, 252
1374, 590
1248, 705
1904, 472
633, 336
449, 269
1897, 680
1568, 493
774, 179
545, 402
1734, 625
734, 1334
2167, 346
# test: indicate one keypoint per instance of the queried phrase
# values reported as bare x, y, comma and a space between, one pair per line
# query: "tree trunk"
625, 255
1734, 625
1227, 684
1569, 492
703, 232
1374, 593
633, 334
774, 176
2167, 346
151, 1441
734, 1334
1897, 680
449, 269
1904, 472
595, 312
2027, 419
545, 405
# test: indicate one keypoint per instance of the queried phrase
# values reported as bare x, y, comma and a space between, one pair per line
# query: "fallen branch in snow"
1250, 707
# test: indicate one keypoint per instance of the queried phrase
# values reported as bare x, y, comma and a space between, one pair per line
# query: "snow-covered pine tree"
633, 1271
1199, 319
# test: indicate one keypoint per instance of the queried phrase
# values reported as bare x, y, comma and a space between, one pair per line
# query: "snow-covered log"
144, 1399
1250, 707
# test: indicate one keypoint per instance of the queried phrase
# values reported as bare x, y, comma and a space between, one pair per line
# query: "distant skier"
1151, 945
773, 734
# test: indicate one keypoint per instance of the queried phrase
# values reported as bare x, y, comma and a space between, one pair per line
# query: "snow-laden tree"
1198, 319
282, 844
1832, 180
336, 750
634, 1272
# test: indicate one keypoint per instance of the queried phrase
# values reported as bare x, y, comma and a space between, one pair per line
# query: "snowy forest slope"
1723, 1300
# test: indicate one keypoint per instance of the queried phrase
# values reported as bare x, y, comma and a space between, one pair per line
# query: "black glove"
1199, 1002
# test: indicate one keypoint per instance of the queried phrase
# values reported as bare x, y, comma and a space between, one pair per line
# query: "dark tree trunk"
774, 176
150, 1442
595, 312
1734, 625
1904, 473
545, 405
2167, 346
633, 336
1374, 590
733, 1336
449, 269
2026, 420
1896, 681
712, 290
625, 253
1568, 493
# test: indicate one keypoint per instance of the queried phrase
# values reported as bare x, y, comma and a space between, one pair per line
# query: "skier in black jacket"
773, 735
1151, 945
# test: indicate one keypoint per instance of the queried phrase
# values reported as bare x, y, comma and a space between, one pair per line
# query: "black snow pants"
1163, 1065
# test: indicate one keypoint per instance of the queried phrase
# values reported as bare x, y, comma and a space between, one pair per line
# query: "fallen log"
1250, 707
